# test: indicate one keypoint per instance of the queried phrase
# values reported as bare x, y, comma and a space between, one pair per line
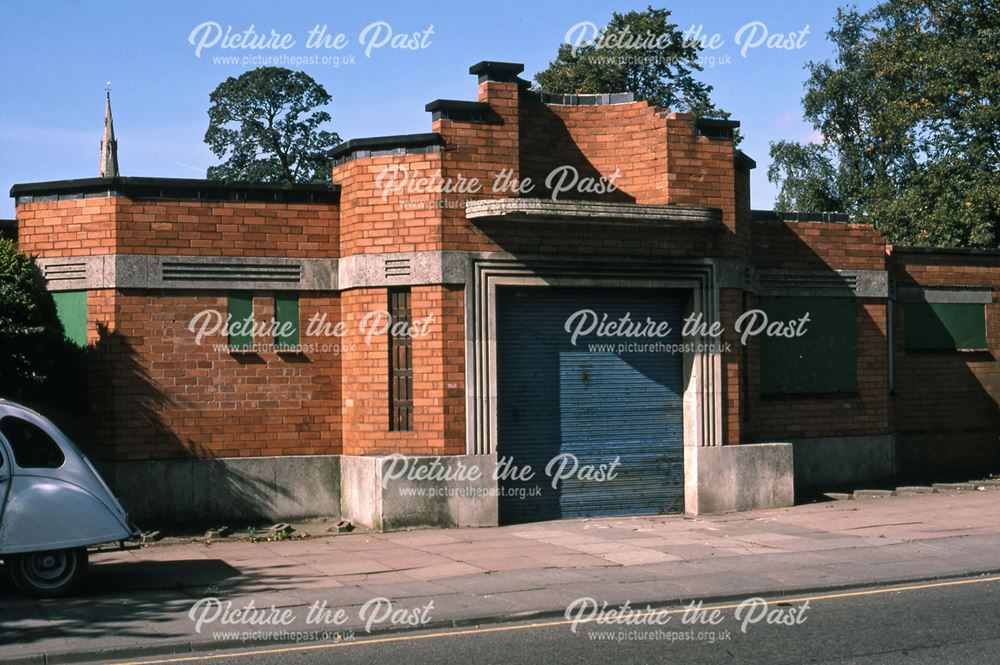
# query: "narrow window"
286, 315
71, 308
400, 362
240, 308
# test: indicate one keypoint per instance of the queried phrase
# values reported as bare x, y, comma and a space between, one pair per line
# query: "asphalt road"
936, 623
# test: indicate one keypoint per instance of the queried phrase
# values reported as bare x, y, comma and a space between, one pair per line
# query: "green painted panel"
71, 306
823, 360
240, 308
286, 313
944, 326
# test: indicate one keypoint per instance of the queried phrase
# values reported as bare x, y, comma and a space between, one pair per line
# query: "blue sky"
57, 56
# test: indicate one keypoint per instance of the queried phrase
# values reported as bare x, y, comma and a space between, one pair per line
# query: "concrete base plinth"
385, 493
395, 492
226, 489
824, 463
721, 479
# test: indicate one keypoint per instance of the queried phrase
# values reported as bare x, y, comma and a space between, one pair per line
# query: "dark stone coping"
174, 188
377, 146
777, 216
462, 111
975, 251
743, 162
586, 100
594, 212
716, 128
501, 72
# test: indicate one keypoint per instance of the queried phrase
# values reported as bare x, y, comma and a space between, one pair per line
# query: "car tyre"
49, 574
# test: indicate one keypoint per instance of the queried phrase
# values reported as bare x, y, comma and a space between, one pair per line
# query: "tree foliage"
909, 115
266, 124
643, 53
30, 331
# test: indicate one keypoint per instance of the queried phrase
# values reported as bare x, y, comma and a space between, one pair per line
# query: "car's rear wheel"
49, 574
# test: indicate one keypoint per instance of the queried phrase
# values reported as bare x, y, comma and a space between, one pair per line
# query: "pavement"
139, 602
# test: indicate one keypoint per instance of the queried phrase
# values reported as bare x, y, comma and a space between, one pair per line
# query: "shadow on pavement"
109, 607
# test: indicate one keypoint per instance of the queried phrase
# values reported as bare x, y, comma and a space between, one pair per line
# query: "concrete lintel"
544, 210
946, 295
402, 269
822, 283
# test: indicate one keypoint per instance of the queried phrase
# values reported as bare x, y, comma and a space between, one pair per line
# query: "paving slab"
138, 601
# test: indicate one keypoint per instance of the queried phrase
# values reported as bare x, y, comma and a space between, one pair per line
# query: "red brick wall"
480, 151
74, 227
946, 403
817, 245
371, 223
227, 228
158, 395
438, 376
701, 172
824, 246
155, 394
82, 227
867, 413
597, 140
534, 138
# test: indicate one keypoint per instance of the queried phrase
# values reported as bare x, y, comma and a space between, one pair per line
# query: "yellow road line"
548, 624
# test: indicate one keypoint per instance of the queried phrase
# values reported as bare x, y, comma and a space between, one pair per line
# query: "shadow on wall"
947, 403
164, 479
940, 419
546, 144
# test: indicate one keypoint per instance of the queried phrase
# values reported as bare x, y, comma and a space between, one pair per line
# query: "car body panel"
5, 465
55, 508
49, 514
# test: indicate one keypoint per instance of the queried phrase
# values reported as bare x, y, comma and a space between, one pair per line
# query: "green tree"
30, 331
639, 52
266, 124
909, 111
809, 179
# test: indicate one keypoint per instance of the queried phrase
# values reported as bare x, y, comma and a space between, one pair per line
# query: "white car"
53, 505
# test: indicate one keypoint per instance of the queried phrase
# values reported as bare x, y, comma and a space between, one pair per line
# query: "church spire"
109, 146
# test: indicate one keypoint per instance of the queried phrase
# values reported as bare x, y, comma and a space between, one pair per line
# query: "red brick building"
589, 209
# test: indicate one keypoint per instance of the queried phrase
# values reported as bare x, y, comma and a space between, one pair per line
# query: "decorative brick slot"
177, 271
397, 267
62, 272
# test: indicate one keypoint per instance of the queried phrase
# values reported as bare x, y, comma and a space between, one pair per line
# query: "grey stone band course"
142, 271
951, 295
822, 283
402, 269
